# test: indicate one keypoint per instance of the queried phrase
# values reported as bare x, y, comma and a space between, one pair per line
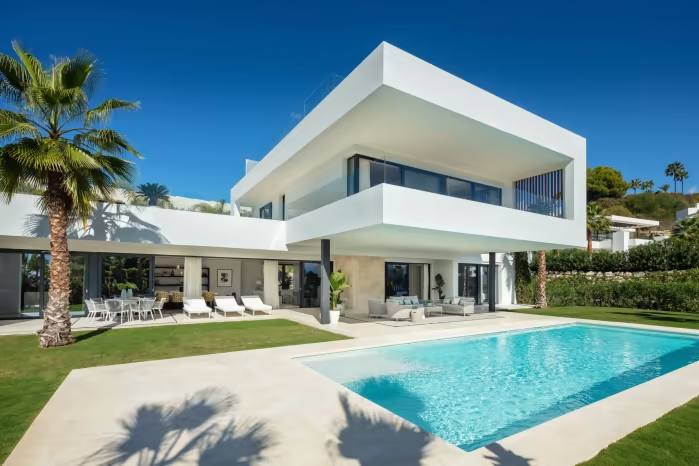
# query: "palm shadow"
661, 317
160, 435
504, 457
108, 222
375, 441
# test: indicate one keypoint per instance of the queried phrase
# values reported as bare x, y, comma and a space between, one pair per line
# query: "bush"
672, 254
662, 291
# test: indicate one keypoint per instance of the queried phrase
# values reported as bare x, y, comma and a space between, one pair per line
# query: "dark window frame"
353, 179
264, 209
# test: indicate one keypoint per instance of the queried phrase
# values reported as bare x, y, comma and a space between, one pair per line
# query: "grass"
29, 375
669, 441
620, 314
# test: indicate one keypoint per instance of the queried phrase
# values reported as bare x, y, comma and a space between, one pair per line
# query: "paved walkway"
264, 407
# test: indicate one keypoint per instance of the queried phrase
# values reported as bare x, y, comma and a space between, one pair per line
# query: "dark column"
93, 285
492, 280
325, 281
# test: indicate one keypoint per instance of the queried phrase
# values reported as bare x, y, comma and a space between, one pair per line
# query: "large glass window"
473, 282
126, 272
311, 284
364, 172
35, 283
397, 279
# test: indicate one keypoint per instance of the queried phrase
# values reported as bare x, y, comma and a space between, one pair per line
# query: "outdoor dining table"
127, 305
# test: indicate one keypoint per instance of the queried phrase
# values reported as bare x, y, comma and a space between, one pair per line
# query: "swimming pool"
472, 391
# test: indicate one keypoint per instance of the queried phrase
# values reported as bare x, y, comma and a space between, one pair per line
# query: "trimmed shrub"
671, 254
661, 291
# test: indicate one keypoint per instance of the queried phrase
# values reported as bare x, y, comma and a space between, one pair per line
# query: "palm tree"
675, 170
54, 142
665, 187
647, 185
635, 184
153, 193
682, 174
687, 229
596, 223
540, 299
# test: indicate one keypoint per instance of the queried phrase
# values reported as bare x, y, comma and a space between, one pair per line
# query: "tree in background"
55, 143
605, 182
540, 299
635, 184
207, 208
596, 223
647, 185
664, 187
687, 229
678, 172
153, 193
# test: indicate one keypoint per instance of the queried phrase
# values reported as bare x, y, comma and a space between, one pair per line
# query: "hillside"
656, 206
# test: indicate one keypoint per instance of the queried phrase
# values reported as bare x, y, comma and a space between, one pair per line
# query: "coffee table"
433, 310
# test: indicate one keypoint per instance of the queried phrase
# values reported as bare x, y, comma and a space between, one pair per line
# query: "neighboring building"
688, 212
402, 172
177, 202
626, 233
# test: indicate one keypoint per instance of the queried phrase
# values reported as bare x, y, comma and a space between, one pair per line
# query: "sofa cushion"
466, 301
414, 300
455, 300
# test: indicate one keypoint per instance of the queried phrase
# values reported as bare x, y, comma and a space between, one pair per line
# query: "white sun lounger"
255, 304
226, 304
196, 306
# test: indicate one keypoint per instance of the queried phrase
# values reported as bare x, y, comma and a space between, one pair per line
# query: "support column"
492, 280
324, 281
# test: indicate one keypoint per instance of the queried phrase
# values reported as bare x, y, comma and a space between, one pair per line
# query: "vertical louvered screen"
541, 194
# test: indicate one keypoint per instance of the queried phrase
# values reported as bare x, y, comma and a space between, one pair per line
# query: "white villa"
626, 233
401, 173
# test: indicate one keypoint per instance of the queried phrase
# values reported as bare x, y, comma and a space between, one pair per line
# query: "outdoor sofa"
458, 305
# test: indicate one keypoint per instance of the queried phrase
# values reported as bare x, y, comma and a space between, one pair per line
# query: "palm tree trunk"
541, 301
56, 329
589, 241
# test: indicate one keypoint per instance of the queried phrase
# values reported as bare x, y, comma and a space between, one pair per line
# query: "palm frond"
75, 72
103, 111
31, 65
13, 125
107, 140
13, 78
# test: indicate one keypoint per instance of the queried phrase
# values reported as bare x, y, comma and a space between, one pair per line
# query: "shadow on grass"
198, 428
92, 333
504, 457
374, 441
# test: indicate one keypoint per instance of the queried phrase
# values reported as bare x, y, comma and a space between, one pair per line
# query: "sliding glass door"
310, 284
473, 282
35, 283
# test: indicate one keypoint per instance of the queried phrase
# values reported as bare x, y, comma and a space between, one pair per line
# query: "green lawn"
672, 440
30, 375
620, 314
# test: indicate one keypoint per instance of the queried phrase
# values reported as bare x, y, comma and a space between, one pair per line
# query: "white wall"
234, 265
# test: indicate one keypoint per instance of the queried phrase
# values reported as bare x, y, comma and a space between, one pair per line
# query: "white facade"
402, 163
624, 232
688, 212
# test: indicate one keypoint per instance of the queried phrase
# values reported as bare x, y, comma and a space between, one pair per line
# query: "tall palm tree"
635, 184
647, 185
682, 174
53, 141
674, 170
540, 300
596, 223
153, 193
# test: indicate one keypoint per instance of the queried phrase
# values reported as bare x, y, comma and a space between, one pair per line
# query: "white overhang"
395, 103
631, 222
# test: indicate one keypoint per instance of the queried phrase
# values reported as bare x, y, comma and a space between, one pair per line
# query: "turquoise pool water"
472, 391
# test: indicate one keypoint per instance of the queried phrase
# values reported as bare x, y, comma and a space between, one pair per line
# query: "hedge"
671, 254
661, 292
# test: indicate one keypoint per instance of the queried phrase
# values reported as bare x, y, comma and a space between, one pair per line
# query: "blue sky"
220, 82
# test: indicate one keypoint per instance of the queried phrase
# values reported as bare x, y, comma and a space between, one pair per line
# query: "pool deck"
265, 407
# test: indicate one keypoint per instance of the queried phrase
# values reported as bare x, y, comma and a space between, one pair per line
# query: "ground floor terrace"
284, 282
265, 406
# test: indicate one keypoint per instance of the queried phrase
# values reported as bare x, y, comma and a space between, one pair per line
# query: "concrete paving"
264, 407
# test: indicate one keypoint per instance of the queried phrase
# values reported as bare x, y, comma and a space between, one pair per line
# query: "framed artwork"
224, 277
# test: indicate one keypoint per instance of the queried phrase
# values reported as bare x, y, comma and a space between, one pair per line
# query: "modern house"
402, 172
688, 212
626, 233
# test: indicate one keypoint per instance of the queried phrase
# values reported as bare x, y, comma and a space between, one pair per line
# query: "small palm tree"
153, 193
596, 223
687, 229
53, 142
540, 300
647, 185
664, 187
635, 184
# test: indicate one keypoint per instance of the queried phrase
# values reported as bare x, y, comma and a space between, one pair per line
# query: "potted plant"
338, 284
126, 289
439, 286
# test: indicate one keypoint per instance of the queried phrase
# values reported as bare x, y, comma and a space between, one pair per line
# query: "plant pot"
334, 316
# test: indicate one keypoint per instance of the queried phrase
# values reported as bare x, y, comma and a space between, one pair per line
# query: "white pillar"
271, 283
192, 277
